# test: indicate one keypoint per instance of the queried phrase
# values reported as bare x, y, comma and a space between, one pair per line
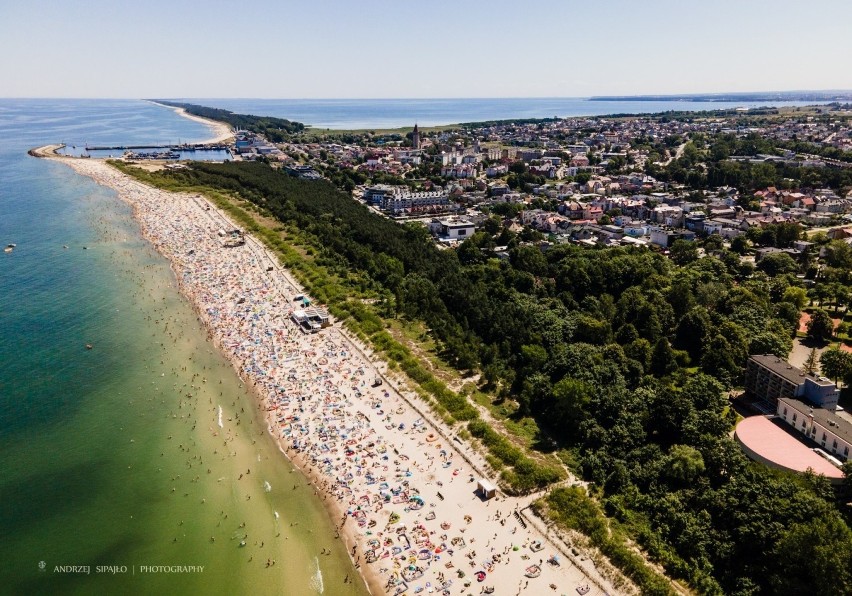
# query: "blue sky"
439, 48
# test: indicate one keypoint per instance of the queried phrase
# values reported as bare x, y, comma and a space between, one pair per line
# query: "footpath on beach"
401, 493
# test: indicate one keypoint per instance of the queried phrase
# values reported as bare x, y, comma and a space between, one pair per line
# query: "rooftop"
768, 442
821, 381
839, 426
455, 222
782, 368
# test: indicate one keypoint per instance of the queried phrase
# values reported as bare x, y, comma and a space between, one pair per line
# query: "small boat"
89, 346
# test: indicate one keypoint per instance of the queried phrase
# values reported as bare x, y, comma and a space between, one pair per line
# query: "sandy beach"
399, 485
221, 131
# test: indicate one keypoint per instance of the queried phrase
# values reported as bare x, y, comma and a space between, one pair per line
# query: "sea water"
117, 476
395, 113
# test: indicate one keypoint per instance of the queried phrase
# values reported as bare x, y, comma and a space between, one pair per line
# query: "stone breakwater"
402, 495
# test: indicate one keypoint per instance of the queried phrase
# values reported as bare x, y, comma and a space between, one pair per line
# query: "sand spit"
222, 132
399, 484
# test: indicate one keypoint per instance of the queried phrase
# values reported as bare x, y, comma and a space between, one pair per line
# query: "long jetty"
195, 147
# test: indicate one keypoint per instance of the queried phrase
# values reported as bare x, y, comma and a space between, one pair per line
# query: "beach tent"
486, 489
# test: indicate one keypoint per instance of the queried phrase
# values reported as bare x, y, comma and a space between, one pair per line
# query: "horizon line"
577, 97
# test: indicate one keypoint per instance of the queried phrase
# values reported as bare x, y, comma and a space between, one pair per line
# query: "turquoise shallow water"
114, 455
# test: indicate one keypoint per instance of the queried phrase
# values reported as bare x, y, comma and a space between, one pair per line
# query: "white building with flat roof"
455, 228
823, 427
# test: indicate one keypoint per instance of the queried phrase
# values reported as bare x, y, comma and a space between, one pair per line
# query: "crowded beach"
409, 499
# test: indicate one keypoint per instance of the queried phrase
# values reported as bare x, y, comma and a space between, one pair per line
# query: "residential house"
455, 228
634, 228
665, 237
761, 253
695, 222
497, 170
579, 161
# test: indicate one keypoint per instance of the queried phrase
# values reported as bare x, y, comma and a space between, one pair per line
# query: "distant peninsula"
275, 129
835, 95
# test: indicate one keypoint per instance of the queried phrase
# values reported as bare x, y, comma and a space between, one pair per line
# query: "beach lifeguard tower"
486, 489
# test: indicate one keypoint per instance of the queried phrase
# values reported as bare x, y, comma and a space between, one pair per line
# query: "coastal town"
595, 181
406, 299
685, 188
410, 499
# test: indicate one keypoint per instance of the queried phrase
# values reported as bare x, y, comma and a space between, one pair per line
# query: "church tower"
415, 138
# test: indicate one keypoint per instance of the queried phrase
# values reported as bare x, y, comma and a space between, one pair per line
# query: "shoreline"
221, 130
314, 393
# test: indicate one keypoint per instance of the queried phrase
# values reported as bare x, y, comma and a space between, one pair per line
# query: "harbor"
175, 152
176, 148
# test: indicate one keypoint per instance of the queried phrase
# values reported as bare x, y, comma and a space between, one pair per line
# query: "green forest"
275, 129
705, 163
623, 356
